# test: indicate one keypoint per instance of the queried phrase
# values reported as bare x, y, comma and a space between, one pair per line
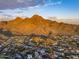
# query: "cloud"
12, 4
1, 12
13, 8
53, 3
20, 1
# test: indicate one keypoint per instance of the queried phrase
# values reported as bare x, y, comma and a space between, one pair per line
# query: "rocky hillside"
38, 25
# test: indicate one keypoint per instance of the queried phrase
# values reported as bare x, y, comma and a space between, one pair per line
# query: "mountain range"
38, 25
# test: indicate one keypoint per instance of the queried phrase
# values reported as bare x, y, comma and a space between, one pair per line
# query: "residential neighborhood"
36, 47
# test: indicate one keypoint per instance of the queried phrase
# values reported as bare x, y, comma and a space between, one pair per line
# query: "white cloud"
53, 3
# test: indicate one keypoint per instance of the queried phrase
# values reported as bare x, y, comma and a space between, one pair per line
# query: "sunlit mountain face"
38, 25
61, 9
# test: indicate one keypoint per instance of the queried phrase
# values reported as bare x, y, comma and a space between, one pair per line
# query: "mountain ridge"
38, 25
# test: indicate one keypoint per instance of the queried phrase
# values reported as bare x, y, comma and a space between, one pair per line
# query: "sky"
63, 9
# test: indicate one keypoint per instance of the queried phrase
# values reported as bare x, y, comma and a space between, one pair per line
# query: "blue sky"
46, 8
